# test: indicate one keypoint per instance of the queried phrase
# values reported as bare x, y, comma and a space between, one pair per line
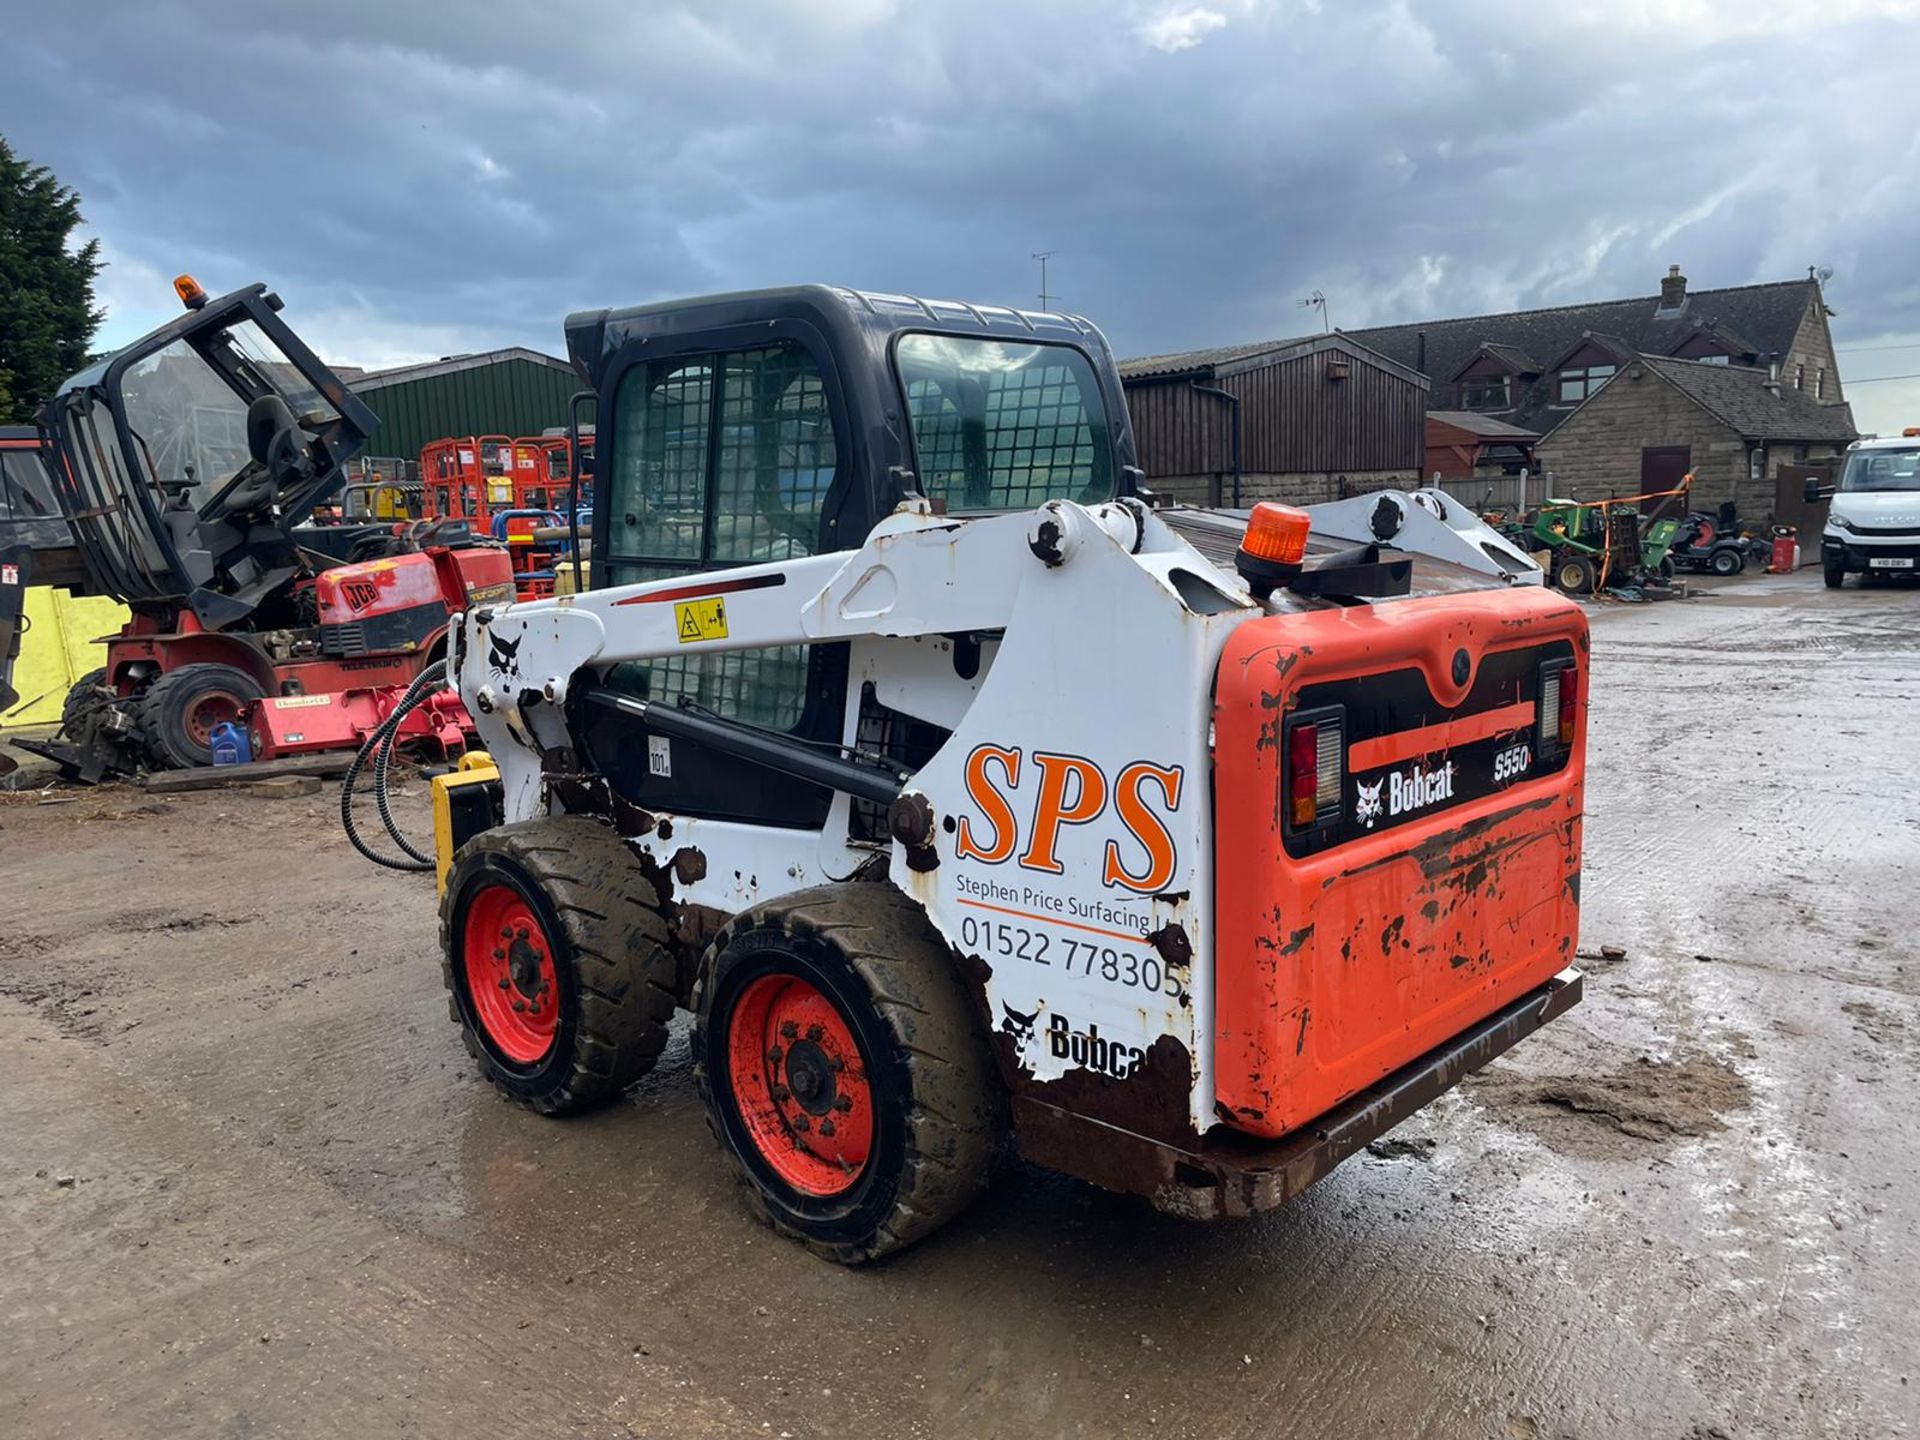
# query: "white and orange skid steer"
961, 790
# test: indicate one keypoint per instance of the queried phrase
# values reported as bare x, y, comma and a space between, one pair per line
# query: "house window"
1489, 392
1799, 377
1714, 359
1820, 383
1577, 385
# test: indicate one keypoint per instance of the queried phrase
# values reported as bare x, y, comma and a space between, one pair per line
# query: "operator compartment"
1397, 832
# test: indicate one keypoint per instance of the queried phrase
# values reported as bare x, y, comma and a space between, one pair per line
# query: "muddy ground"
250, 1186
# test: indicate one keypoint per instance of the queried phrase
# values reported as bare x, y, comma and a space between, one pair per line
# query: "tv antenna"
1317, 301
1043, 256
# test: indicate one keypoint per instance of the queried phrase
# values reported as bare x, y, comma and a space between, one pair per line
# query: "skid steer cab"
960, 791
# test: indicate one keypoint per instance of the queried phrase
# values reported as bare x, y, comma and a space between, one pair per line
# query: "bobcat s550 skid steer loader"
958, 790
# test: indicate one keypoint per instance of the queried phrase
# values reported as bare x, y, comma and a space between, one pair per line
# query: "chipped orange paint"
1334, 970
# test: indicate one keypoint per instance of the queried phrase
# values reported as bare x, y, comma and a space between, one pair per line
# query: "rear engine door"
1397, 833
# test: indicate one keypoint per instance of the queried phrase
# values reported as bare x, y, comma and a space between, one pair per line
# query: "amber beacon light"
1273, 547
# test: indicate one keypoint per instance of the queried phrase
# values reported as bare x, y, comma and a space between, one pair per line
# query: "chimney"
1420, 353
1673, 289
1772, 382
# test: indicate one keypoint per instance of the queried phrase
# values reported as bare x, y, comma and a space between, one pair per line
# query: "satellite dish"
1825, 273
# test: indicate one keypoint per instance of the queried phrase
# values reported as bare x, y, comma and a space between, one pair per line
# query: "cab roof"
851, 320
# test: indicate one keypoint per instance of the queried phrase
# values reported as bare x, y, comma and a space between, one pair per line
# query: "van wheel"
1835, 576
844, 1071
557, 962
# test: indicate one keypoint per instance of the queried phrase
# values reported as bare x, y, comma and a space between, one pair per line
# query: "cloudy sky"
419, 179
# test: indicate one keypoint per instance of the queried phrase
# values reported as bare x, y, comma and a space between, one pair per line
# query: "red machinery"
184, 466
474, 476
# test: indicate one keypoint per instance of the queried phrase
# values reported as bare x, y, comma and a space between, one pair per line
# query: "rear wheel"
1836, 576
556, 962
182, 707
1727, 562
1574, 574
844, 1071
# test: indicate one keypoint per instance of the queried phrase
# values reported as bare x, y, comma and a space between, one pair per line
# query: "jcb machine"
960, 791
184, 466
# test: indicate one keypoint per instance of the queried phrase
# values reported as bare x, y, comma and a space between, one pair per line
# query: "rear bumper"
1229, 1174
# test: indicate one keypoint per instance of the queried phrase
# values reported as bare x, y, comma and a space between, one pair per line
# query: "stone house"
1659, 418
1733, 382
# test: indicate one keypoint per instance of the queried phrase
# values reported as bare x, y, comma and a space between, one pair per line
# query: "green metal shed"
511, 392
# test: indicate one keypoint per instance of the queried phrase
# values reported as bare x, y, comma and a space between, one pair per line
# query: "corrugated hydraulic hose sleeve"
376, 746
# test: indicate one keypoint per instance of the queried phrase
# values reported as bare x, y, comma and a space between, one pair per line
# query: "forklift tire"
573, 1007
1573, 574
1727, 562
1836, 576
844, 1070
180, 709
83, 698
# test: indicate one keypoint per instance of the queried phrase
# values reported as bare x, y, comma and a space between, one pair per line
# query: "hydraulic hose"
378, 746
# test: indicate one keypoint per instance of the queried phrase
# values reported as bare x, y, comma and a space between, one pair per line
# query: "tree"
47, 313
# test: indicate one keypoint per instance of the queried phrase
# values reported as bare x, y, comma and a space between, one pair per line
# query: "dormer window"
1577, 385
1487, 392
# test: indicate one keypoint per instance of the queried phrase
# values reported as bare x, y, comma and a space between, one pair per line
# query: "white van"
1873, 527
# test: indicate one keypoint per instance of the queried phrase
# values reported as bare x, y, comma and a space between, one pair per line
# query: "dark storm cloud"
419, 178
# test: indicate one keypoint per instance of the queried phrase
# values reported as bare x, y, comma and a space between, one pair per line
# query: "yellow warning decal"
701, 620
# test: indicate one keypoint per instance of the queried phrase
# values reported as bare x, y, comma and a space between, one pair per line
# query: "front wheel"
557, 962
1574, 574
1728, 562
843, 1070
182, 708
1836, 576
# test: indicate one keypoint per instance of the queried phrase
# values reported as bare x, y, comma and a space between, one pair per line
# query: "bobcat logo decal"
503, 655
1019, 1026
1368, 807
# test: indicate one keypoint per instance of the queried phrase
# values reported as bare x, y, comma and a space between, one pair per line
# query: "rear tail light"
1559, 706
1316, 769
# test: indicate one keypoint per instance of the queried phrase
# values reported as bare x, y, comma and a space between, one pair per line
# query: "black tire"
1574, 574
82, 700
1836, 576
1666, 567
937, 1114
610, 951
1727, 562
175, 707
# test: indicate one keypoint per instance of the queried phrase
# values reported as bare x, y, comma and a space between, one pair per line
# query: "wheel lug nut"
843, 1103
520, 1007
800, 1122
780, 1092
499, 954
826, 1128
788, 1030
815, 1033
506, 985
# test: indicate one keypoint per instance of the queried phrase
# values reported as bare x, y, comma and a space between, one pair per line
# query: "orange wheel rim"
508, 963
800, 1084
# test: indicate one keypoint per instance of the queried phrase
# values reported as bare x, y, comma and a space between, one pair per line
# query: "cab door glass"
694, 490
